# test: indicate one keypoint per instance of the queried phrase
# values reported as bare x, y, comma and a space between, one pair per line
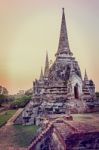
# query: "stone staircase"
14, 117
77, 106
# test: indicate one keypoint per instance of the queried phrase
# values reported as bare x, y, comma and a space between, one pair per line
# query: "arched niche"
76, 91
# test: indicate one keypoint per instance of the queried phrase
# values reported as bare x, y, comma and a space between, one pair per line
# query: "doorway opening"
76, 92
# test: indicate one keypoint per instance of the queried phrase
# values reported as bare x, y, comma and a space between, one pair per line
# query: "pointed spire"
41, 75
63, 46
85, 77
46, 65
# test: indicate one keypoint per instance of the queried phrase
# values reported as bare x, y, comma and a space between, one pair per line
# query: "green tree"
5, 91
3, 98
20, 101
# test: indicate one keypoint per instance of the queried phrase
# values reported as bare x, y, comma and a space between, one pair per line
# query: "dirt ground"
6, 139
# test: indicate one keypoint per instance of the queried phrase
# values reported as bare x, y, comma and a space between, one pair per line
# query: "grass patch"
24, 134
82, 117
5, 116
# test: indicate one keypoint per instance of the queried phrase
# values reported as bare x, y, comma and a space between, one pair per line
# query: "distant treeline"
20, 101
14, 101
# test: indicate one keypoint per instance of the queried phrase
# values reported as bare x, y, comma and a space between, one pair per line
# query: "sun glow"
27, 31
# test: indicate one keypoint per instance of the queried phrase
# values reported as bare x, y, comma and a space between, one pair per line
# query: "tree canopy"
20, 101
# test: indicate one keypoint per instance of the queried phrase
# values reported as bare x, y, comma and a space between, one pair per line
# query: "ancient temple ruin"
63, 79
61, 88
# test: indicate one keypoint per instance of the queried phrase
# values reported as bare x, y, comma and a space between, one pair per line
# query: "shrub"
20, 102
3, 99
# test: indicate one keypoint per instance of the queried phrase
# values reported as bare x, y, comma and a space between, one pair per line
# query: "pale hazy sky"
30, 27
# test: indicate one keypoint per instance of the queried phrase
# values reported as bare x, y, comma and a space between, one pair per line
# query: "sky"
29, 28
